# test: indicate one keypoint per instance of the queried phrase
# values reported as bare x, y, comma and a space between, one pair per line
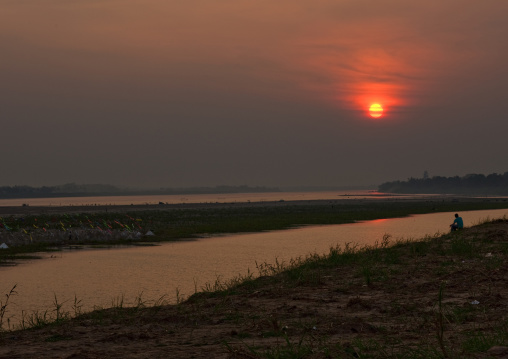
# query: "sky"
171, 93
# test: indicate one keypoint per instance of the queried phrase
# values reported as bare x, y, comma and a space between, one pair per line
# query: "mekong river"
100, 277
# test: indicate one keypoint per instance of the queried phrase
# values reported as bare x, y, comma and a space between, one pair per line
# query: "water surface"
101, 277
201, 198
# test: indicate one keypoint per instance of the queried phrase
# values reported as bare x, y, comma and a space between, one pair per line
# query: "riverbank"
34, 229
26, 230
434, 298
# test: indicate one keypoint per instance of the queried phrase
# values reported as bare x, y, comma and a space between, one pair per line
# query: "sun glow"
375, 110
376, 101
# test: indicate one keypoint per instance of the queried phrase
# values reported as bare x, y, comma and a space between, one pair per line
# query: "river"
201, 198
101, 277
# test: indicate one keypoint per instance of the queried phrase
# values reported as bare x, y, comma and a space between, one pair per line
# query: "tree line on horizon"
88, 190
477, 184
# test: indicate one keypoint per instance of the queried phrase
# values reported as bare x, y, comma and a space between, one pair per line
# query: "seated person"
457, 223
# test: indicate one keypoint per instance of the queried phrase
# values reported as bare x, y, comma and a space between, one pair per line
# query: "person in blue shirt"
458, 223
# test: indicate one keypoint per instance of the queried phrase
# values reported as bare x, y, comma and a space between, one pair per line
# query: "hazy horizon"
159, 93
112, 187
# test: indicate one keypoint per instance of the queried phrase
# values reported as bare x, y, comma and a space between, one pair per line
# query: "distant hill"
471, 184
89, 190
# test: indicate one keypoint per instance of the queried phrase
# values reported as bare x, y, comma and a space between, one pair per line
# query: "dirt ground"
414, 298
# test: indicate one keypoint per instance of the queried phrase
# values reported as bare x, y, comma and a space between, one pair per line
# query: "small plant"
76, 306
59, 314
3, 306
160, 301
35, 320
288, 349
57, 338
179, 297
440, 322
117, 302
367, 273
139, 302
479, 341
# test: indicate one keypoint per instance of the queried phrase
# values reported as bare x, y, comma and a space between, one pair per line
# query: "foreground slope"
435, 298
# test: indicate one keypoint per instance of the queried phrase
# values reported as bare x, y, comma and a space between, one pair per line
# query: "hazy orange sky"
276, 93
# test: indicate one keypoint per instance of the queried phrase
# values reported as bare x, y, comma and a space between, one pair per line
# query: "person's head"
456, 215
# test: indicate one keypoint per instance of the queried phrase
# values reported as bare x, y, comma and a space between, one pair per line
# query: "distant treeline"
476, 184
88, 190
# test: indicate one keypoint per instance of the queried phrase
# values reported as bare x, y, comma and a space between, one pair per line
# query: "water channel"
100, 277
204, 198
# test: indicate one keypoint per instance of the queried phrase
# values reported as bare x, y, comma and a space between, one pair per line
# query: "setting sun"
375, 110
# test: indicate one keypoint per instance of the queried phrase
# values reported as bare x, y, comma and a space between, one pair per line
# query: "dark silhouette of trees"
492, 184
